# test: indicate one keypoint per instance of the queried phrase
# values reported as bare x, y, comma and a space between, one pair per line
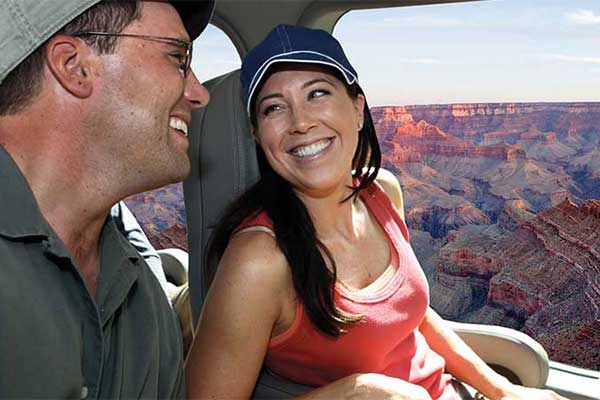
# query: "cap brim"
195, 14
300, 57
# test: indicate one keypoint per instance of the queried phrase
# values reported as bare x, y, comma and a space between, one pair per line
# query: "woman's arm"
237, 318
465, 365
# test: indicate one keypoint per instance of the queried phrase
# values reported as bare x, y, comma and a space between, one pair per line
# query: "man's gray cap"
26, 24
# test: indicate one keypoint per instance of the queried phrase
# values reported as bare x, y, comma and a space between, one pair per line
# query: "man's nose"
195, 93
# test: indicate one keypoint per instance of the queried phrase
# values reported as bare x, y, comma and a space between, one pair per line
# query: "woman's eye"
271, 108
317, 93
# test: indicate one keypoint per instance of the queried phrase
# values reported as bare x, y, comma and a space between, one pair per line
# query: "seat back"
223, 165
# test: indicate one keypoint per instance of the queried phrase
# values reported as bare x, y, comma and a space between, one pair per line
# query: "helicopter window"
214, 54
488, 114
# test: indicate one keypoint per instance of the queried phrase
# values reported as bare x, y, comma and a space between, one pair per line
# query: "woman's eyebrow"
267, 97
316, 80
304, 86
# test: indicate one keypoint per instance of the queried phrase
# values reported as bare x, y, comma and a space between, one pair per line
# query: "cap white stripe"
298, 52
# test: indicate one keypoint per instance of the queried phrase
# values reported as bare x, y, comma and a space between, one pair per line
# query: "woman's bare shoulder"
254, 257
390, 185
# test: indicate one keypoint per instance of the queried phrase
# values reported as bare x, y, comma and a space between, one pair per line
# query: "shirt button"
84, 392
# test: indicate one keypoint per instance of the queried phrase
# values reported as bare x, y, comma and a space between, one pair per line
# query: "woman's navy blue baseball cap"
292, 44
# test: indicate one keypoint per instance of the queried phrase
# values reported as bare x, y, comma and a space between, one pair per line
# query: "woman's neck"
334, 218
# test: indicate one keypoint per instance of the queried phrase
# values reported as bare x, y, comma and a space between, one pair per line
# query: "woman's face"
307, 125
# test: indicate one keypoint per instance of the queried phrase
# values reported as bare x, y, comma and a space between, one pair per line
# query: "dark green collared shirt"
56, 341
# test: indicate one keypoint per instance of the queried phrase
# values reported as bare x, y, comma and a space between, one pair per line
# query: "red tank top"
386, 341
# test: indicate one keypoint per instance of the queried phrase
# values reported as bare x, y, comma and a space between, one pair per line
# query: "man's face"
146, 102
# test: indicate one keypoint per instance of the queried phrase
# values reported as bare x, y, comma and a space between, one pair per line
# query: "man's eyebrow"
179, 42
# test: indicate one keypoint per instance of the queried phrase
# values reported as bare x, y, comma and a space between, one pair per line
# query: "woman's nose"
302, 121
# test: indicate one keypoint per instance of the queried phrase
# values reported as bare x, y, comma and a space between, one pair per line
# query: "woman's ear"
69, 61
359, 108
253, 133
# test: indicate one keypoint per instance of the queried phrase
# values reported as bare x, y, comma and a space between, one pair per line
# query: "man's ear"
69, 59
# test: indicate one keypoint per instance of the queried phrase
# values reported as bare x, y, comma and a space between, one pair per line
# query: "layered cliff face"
504, 120
540, 274
459, 164
423, 137
175, 236
161, 213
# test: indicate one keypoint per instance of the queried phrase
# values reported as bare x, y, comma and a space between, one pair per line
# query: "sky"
485, 51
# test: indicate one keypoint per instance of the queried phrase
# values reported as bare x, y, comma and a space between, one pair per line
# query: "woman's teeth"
179, 125
312, 149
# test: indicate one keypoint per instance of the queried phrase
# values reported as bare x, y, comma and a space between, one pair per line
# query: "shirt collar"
114, 242
20, 215
119, 270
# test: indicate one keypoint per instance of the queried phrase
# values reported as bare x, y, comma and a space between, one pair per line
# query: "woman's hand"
377, 386
367, 387
516, 392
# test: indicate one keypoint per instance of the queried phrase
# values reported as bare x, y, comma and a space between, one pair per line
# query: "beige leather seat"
224, 165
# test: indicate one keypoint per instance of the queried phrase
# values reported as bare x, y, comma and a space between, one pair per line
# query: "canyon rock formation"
459, 164
539, 274
161, 213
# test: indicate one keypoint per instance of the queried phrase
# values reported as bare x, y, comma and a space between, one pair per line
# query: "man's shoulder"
152, 286
153, 320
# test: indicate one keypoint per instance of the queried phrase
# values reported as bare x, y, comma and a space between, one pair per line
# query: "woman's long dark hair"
295, 232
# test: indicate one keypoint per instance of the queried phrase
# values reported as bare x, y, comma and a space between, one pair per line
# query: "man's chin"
175, 175
182, 172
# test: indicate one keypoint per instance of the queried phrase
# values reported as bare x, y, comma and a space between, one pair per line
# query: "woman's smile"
312, 150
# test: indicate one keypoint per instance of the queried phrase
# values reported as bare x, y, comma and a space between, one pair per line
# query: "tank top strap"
380, 205
258, 221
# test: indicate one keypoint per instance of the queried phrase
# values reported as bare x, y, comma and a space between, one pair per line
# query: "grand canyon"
503, 205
